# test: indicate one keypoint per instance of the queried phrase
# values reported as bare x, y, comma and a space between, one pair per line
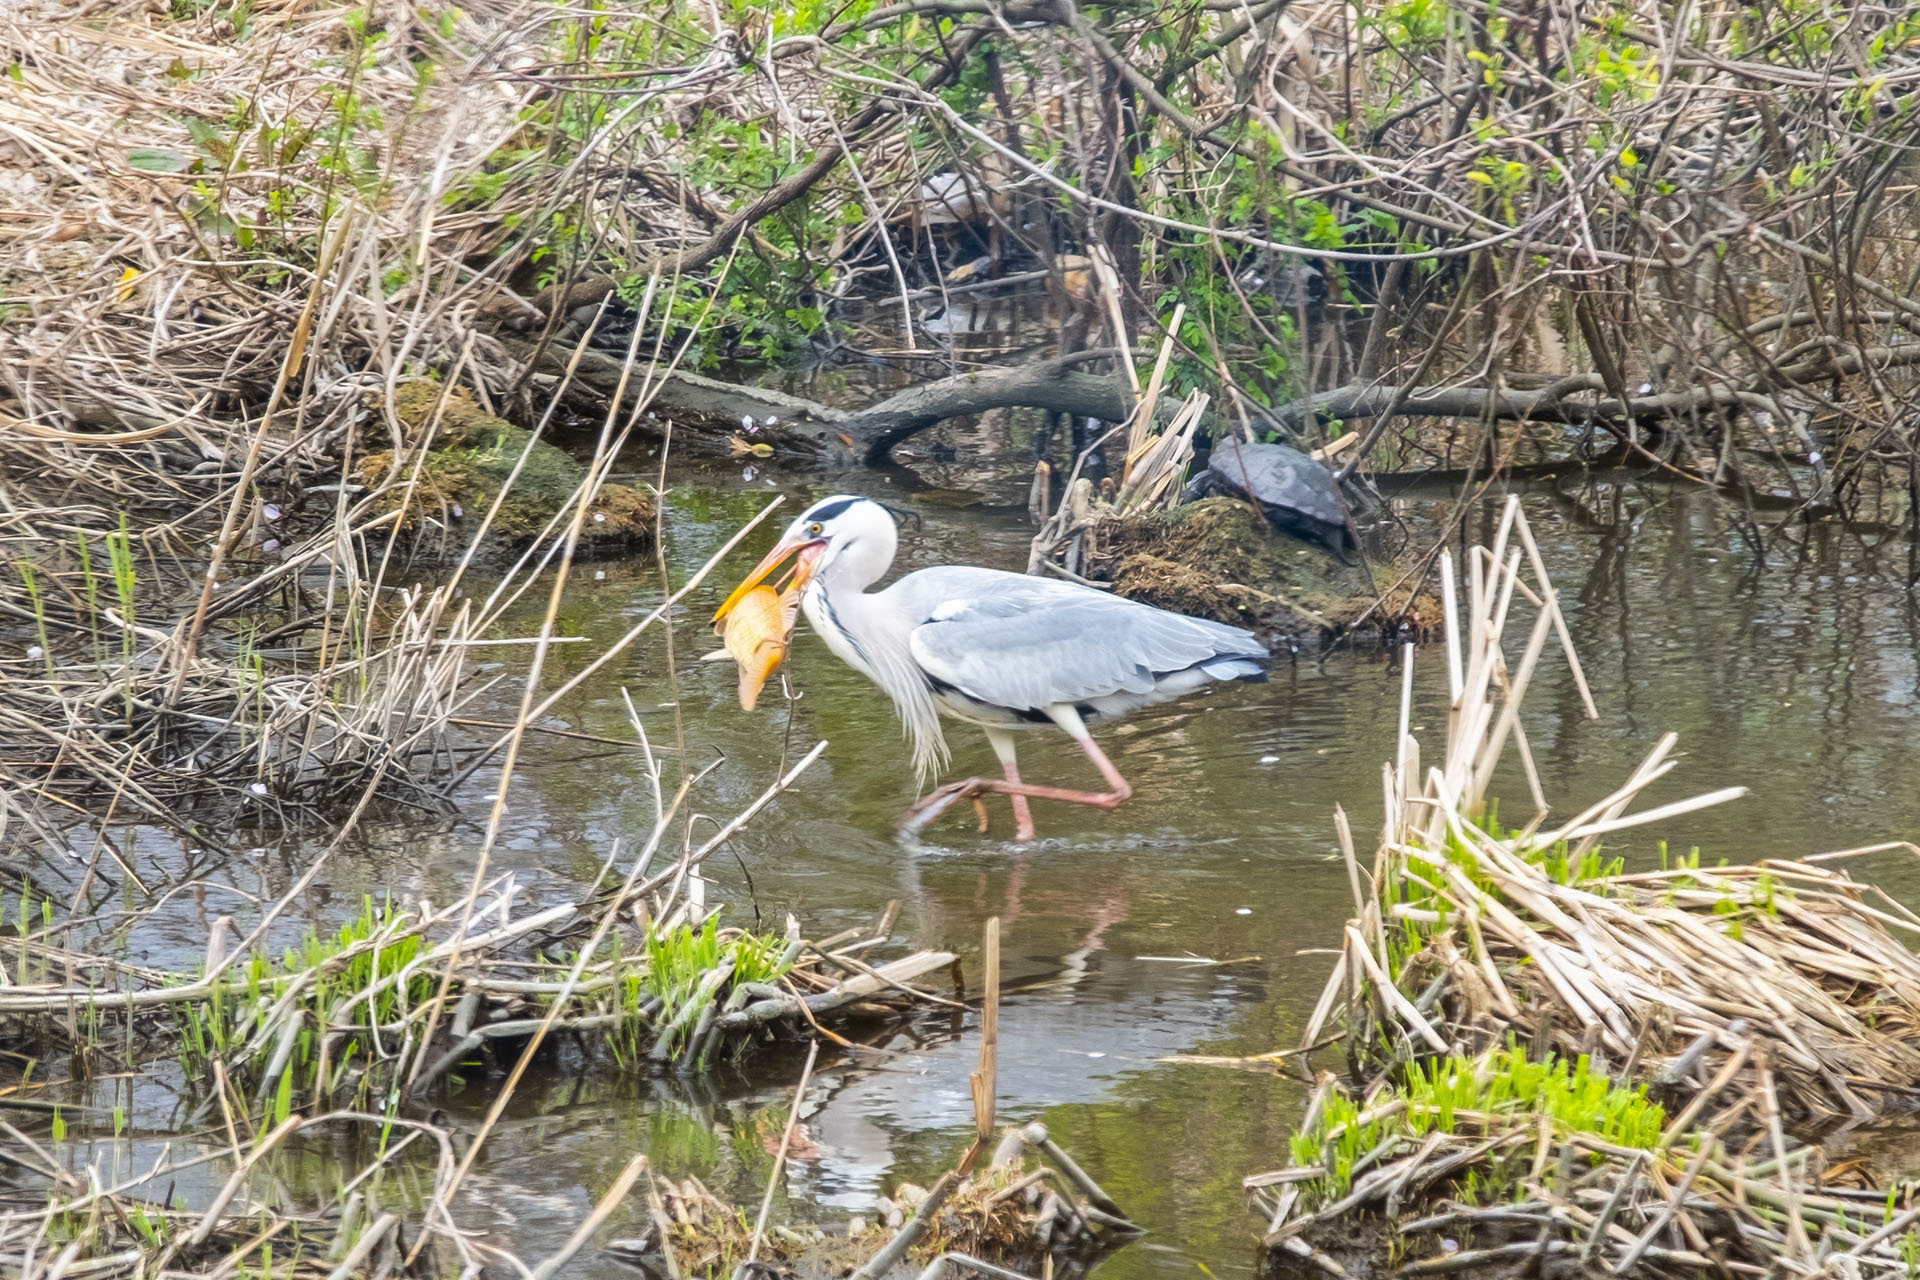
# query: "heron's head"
827, 533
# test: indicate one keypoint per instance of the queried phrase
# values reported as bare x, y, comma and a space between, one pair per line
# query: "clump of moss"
1219, 559
472, 455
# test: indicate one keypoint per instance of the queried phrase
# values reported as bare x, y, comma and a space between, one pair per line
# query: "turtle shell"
1282, 480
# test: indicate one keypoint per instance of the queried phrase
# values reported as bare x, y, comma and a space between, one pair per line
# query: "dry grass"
230, 257
1762, 1004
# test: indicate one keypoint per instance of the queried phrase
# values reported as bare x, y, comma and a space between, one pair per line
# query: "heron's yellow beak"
805, 554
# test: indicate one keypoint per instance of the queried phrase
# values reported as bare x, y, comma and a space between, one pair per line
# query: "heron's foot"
940, 799
937, 802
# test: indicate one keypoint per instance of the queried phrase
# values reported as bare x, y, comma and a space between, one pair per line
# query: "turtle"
1296, 493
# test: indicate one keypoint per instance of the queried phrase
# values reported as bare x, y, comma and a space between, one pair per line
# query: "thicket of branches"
1683, 229
1627, 215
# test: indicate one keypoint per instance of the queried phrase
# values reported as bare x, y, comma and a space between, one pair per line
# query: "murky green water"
1797, 676
1798, 679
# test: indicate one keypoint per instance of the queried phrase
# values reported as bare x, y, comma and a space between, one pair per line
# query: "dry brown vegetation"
284, 283
1552, 1060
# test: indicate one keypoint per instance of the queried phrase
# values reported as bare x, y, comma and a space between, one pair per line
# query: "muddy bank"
1219, 559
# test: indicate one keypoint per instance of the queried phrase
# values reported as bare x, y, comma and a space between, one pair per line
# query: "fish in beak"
805, 553
756, 619
756, 633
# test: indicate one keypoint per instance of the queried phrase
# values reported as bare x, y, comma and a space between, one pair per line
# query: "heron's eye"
816, 528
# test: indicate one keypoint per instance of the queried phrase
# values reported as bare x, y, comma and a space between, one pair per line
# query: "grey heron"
1005, 651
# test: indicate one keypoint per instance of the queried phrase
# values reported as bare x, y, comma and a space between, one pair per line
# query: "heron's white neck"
873, 638
838, 605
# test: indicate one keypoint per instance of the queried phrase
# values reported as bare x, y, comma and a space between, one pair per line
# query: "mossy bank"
1218, 559
469, 459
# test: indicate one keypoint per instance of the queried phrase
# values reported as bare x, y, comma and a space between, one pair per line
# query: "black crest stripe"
829, 509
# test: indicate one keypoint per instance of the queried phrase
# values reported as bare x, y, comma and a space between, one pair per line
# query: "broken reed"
289, 704
1562, 1056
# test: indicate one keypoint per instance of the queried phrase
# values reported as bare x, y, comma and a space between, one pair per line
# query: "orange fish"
755, 630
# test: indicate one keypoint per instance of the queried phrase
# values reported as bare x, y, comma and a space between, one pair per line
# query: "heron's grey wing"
1025, 643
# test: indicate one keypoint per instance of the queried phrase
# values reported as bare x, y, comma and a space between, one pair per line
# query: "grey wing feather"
1025, 643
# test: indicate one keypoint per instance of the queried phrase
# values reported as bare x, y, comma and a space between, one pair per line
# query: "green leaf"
212, 221
155, 161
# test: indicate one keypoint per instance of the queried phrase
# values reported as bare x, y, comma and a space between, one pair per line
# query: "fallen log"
793, 424
1581, 399
1054, 385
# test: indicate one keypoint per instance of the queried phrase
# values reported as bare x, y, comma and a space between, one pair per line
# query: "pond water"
1797, 677
1795, 671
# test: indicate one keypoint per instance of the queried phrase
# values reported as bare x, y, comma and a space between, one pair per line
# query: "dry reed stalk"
971, 1215
366, 1035
1766, 1002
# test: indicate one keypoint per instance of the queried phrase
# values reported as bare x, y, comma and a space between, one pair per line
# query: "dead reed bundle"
1157, 454
1070, 536
117, 721
1475, 1165
1023, 1213
1519, 1010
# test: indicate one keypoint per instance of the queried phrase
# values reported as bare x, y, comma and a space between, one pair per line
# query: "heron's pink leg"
1022, 811
1117, 787
941, 799
1003, 746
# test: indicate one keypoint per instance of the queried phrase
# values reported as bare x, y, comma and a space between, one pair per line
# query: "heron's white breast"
826, 620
